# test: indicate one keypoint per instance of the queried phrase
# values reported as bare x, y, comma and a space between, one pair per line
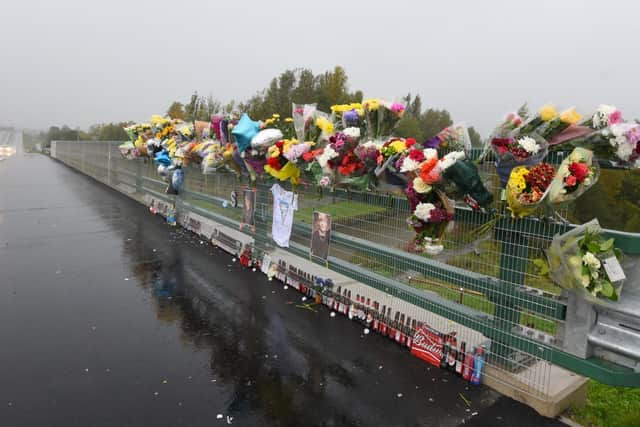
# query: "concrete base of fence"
567, 390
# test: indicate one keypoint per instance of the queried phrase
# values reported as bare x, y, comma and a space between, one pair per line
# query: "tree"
409, 126
474, 136
433, 121
176, 110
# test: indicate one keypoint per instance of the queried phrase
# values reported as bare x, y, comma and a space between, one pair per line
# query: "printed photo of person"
249, 208
321, 235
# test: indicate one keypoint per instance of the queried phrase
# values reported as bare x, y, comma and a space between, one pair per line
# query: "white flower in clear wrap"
449, 159
591, 261
409, 165
601, 116
423, 211
420, 186
352, 132
529, 144
624, 150
430, 153
328, 154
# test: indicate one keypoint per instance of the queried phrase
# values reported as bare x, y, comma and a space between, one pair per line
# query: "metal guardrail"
486, 283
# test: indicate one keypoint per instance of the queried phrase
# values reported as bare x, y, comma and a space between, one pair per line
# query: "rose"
570, 181
416, 155
579, 170
615, 118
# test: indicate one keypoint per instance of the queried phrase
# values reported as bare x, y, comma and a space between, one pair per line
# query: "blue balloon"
244, 132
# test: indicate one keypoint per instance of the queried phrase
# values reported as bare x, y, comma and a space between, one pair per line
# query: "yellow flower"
276, 116
548, 112
372, 104
288, 120
325, 125
273, 151
570, 116
268, 122
398, 145
360, 111
287, 145
420, 186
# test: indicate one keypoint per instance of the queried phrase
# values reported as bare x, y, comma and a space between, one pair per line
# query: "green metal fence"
483, 281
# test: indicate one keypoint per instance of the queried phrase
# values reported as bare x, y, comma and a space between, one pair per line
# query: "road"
109, 317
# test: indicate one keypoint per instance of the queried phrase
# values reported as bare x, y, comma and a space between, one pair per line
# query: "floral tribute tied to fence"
353, 147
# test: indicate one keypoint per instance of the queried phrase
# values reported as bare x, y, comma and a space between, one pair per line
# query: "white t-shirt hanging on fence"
284, 204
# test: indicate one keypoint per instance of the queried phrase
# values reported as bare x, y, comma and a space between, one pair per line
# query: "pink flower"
397, 108
615, 117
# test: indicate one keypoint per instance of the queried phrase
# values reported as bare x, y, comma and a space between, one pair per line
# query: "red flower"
429, 171
409, 142
570, 181
280, 144
579, 170
274, 163
310, 155
347, 169
416, 155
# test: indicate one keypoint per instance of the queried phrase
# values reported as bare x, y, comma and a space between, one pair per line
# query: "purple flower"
350, 116
432, 142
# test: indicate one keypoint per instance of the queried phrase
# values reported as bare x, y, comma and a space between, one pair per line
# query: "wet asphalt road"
109, 317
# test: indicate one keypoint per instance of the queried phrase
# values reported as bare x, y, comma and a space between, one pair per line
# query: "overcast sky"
80, 62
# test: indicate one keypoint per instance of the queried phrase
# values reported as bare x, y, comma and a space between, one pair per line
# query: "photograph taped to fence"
249, 209
321, 235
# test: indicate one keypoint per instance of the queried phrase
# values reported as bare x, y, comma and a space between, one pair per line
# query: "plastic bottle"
467, 368
478, 364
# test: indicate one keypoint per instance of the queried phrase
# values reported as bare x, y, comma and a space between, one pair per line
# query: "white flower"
591, 261
529, 144
430, 153
449, 159
423, 211
254, 152
409, 165
420, 186
586, 281
352, 132
594, 275
624, 151
328, 154
601, 116
618, 130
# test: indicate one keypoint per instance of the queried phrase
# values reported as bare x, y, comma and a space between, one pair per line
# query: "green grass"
232, 213
339, 211
609, 407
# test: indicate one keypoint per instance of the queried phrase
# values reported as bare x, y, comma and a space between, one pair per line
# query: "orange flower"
429, 171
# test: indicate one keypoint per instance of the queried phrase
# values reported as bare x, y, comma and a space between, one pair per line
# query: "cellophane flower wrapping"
303, 119
576, 174
527, 150
464, 174
525, 193
452, 138
576, 263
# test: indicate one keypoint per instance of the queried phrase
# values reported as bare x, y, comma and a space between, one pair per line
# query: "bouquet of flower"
279, 164
431, 211
464, 174
381, 117
618, 143
517, 151
576, 174
527, 188
582, 260
552, 129
605, 115
303, 116
349, 115
128, 150
325, 125
452, 138
505, 129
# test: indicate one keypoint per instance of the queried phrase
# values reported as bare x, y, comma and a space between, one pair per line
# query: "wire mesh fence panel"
483, 284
